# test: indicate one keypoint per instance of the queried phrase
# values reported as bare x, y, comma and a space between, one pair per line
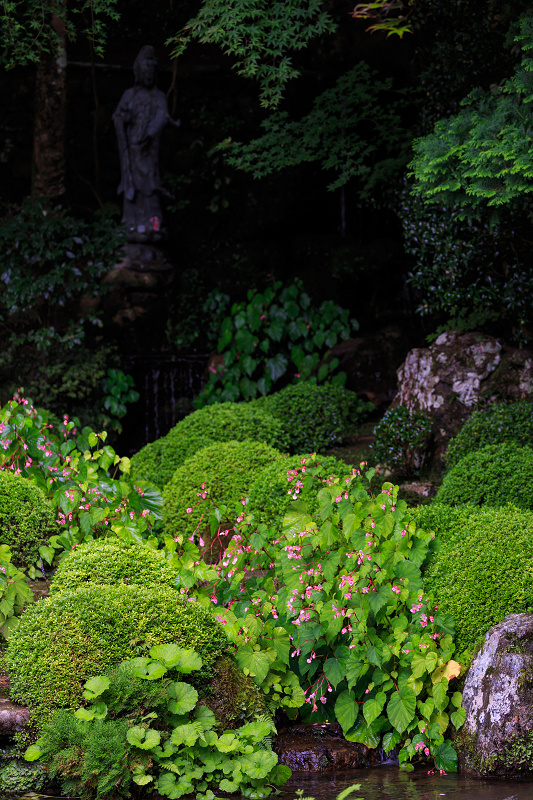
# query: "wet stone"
321, 748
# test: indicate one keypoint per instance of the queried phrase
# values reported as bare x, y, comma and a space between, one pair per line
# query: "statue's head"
145, 66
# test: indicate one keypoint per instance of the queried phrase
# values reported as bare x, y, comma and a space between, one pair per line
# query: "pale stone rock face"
498, 699
456, 374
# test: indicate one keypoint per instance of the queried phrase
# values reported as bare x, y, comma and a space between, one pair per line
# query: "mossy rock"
482, 569
26, 518
113, 562
492, 476
63, 640
234, 698
223, 472
221, 422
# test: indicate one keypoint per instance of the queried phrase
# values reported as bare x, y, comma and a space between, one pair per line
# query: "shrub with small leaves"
401, 439
483, 568
222, 422
62, 640
492, 476
496, 424
218, 475
113, 561
314, 417
26, 518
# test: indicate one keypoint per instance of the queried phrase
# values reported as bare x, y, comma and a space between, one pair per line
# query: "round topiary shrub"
314, 417
483, 567
496, 424
275, 487
26, 518
113, 561
401, 439
65, 639
494, 476
222, 422
218, 475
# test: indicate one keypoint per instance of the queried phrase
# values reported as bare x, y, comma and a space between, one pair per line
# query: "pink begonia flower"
189, 510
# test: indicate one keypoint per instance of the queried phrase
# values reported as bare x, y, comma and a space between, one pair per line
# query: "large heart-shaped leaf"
173, 656
373, 707
346, 710
95, 687
401, 708
258, 765
147, 668
183, 697
253, 662
145, 739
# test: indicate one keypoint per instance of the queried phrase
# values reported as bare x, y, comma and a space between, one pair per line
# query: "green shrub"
401, 439
113, 561
494, 476
496, 424
26, 518
223, 422
218, 475
314, 417
483, 567
68, 637
270, 494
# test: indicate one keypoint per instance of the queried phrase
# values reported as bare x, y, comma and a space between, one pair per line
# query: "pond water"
388, 783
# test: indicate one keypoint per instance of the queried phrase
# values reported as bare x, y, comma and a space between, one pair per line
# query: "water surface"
388, 783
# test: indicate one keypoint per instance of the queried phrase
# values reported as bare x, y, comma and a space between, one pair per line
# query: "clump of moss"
483, 568
113, 561
221, 422
233, 697
223, 473
314, 417
19, 777
26, 518
492, 476
63, 640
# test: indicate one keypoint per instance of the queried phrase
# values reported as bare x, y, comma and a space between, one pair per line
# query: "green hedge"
222, 422
500, 422
226, 469
65, 639
483, 568
314, 417
26, 518
494, 476
270, 496
113, 561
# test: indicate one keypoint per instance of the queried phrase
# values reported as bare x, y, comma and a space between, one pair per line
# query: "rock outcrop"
497, 737
460, 371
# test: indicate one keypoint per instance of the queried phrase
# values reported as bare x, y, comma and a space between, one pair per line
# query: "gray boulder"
449, 379
497, 737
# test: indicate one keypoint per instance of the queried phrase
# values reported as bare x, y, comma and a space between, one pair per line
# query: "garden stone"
13, 718
460, 371
322, 748
497, 737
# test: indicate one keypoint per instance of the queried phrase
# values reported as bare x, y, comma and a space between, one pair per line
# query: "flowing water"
388, 783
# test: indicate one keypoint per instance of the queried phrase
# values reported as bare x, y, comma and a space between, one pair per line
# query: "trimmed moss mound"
26, 518
483, 567
113, 561
270, 496
496, 424
65, 639
313, 417
222, 422
226, 469
494, 476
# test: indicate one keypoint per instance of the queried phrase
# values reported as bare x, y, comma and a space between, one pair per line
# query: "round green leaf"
227, 743
145, 739
258, 765
95, 687
173, 656
183, 697
33, 752
184, 734
147, 668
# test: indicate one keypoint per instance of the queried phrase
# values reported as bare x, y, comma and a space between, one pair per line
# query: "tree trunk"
50, 116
